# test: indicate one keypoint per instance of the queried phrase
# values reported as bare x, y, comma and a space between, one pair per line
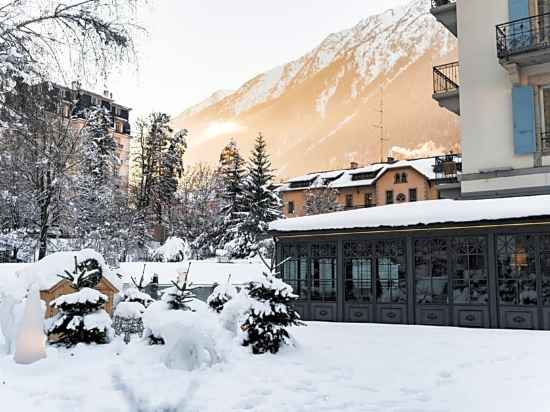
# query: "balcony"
447, 168
445, 12
524, 42
446, 79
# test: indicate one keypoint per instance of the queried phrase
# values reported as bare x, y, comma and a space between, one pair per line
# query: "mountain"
320, 111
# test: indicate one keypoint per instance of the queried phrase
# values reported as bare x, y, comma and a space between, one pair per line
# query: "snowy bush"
175, 299
235, 312
81, 318
192, 339
193, 342
134, 295
221, 295
173, 250
271, 312
11, 313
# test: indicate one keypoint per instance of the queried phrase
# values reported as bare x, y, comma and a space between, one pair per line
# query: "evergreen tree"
264, 205
81, 317
270, 315
234, 210
321, 200
158, 166
221, 294
261, 204
97, 215
178, 297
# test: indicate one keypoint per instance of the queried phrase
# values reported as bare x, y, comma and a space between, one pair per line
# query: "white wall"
485, 91
532, 181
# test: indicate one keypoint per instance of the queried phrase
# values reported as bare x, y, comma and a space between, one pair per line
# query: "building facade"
471, 263
500, 88
76, 100
377, 184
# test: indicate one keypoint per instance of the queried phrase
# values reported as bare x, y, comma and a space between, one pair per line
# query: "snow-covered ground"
335, 368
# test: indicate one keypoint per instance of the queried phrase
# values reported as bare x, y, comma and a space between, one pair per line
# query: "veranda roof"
421, 213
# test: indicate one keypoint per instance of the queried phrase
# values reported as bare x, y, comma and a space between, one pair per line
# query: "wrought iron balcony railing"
447, 168
439, 3
446, 78
523, 35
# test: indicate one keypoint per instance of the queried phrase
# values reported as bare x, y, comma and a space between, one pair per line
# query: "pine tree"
81, 317
262, 205
97, 213
270, 314
321, 200
178, 297
234, 210
158, 166
221, 294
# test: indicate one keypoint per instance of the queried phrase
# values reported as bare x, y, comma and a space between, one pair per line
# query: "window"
375, 271
403, 177
294, 268
397, 178
365, 175
389, 197
470, 271
516, 271
412, 195
391, 280
291, 207
323, 272
358, 279
431, 271
369, 200
349, 201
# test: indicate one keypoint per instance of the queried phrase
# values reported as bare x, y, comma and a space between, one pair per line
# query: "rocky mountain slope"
320, 111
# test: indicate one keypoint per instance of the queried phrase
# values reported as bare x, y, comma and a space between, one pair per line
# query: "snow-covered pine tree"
81, 317
321, 200
178, 297
261, 204
158, 164
221, 294
234, 211
97, 218
270, 315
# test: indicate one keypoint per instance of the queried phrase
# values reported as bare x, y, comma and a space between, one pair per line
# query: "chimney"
391, 159
353, 165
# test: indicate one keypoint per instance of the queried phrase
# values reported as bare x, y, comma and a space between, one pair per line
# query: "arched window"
404, 178
397, 178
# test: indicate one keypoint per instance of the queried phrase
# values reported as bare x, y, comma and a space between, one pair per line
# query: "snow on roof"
304, 178
421, 213
45, 272
344, 177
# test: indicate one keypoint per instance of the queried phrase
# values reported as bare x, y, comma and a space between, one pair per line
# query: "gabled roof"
343, 178
421, 213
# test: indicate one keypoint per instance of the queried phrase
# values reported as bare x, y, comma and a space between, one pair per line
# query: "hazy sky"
195, 47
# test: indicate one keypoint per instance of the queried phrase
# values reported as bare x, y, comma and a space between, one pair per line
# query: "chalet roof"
344, 177
421, 213
45, 272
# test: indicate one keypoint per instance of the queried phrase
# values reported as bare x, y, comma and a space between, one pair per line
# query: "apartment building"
377, 184
76, 100
500, 88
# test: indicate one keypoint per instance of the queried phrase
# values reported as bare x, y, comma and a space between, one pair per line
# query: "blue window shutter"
523, 106
518, 9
